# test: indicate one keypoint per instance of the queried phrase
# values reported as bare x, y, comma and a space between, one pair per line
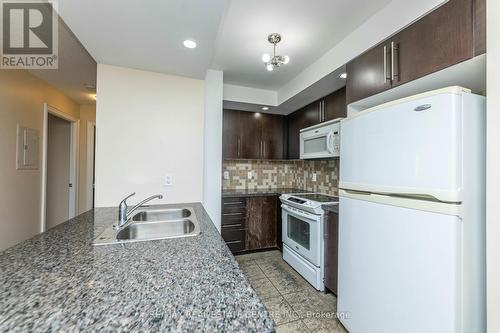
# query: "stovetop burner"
316, 197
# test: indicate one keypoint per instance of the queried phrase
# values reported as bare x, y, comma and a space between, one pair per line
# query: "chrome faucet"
124, 213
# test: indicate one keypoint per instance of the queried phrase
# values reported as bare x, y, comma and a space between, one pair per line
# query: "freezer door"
399, 269
412, 148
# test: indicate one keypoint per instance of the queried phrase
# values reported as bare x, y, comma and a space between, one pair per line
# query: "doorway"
59, 167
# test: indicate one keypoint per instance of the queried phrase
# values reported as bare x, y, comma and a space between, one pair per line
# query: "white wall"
212, 158
393, 17
250, 95
148, 125
493, 166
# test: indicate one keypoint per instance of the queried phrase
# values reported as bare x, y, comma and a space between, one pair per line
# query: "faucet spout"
124, 212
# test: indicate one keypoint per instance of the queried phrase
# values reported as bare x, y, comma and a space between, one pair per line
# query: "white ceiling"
147, 34
231, 34
76, 68
308, 29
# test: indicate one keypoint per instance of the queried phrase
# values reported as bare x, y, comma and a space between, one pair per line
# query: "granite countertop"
260, 192
59, 281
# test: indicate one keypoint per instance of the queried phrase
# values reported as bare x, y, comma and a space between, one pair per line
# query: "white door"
413, 148
399, 269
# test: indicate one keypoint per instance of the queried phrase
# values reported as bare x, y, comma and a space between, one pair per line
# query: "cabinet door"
440, 39
479, 27
250, 133
331, 250
261, 222
272, 136
231, 134
305, 117
366, 75
335, 105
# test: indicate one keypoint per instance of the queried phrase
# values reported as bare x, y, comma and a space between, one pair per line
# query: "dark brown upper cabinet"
367, 74
230, 134
272, 136
250, 135
334, 105
448, 35
479, 27
440, 39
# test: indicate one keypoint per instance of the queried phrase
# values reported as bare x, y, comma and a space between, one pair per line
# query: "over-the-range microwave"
321, 141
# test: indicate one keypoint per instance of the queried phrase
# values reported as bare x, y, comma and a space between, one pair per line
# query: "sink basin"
161, 214
152, 224
156, 230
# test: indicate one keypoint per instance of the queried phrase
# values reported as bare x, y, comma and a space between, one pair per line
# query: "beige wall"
493, 166
22, 96
148, 125
87, 114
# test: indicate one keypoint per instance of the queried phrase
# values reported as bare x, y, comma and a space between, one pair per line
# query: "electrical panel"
28, 147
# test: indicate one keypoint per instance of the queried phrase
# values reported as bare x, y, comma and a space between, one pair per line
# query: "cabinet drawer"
233, 234
234, 206
234, 221
236, 246
234, 238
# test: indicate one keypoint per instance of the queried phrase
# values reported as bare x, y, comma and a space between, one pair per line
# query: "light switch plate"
226, 175
249, 174
314, 178
169, 181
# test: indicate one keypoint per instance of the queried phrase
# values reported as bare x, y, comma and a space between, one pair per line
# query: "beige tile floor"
293, 303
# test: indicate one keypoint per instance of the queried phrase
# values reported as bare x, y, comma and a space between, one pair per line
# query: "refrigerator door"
399, 269
411, 147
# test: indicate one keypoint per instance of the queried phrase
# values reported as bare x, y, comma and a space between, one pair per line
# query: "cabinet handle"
233, 242
393, 48
239, 146
233, 203
231, 225
263, 149
385, 64
232, 214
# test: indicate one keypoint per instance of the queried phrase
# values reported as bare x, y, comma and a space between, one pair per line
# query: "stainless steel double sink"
152, 224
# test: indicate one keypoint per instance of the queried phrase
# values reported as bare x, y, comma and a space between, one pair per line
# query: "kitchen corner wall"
269, 174
148, 125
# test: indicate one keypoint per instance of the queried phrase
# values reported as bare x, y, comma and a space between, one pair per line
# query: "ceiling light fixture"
190, 44
265, 108
343, 76
275, 60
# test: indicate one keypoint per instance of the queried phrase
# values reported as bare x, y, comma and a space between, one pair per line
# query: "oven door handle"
300, 215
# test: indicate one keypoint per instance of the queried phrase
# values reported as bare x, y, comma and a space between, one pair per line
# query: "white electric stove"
303, 246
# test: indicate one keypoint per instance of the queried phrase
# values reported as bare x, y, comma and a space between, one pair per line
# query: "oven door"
301, 232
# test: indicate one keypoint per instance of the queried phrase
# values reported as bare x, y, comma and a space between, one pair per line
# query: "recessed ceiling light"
265, 108
343, 76
190, 44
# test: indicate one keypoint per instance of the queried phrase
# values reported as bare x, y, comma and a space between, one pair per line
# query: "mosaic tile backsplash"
268, 174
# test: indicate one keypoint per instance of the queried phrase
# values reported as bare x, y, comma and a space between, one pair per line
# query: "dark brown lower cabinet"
234, 223
331, 250
250, 223
261, 222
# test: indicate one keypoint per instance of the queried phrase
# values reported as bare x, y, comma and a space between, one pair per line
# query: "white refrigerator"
412, 216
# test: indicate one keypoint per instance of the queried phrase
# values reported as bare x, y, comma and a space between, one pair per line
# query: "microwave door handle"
329, 142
